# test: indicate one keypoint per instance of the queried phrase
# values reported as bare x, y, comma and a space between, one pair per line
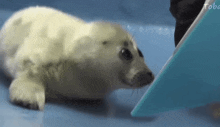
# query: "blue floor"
153, 28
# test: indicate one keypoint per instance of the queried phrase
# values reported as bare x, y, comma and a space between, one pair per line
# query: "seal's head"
109, 52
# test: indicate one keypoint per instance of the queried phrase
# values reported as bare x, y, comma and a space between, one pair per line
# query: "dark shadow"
5, 79
95, 106
100, 107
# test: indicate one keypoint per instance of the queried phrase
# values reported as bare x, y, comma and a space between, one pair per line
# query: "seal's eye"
126, 54
140, 53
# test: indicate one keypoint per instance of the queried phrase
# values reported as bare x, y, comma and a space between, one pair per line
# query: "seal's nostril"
150, 74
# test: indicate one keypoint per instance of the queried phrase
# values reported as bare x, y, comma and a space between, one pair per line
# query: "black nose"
150, 74
143, 78
150, 77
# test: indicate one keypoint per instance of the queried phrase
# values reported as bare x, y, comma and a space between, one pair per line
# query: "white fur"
47, 52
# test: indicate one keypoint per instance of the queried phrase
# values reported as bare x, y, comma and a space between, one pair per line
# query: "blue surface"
153, 27
191, 76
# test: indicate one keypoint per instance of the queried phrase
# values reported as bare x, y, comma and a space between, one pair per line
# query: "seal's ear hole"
125, 54
140, 53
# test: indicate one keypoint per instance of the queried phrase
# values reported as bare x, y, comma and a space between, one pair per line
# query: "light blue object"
191, 77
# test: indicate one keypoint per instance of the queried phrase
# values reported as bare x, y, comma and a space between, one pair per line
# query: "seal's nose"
143, 78
150, 77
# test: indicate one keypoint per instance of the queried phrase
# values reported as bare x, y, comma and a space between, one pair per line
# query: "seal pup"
50, 53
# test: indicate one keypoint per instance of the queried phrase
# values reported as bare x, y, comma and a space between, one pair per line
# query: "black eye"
126, 54
140, 53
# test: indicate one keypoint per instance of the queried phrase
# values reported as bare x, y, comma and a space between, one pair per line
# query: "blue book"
191, 77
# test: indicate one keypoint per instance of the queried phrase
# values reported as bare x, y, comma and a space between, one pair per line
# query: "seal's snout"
143, 78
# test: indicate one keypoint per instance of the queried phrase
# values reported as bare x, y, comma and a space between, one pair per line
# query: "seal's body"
49, 53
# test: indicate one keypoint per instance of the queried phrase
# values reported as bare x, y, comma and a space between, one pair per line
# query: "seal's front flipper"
27, 92
191, 76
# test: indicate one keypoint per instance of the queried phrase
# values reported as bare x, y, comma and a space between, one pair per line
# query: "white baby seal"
50, 53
